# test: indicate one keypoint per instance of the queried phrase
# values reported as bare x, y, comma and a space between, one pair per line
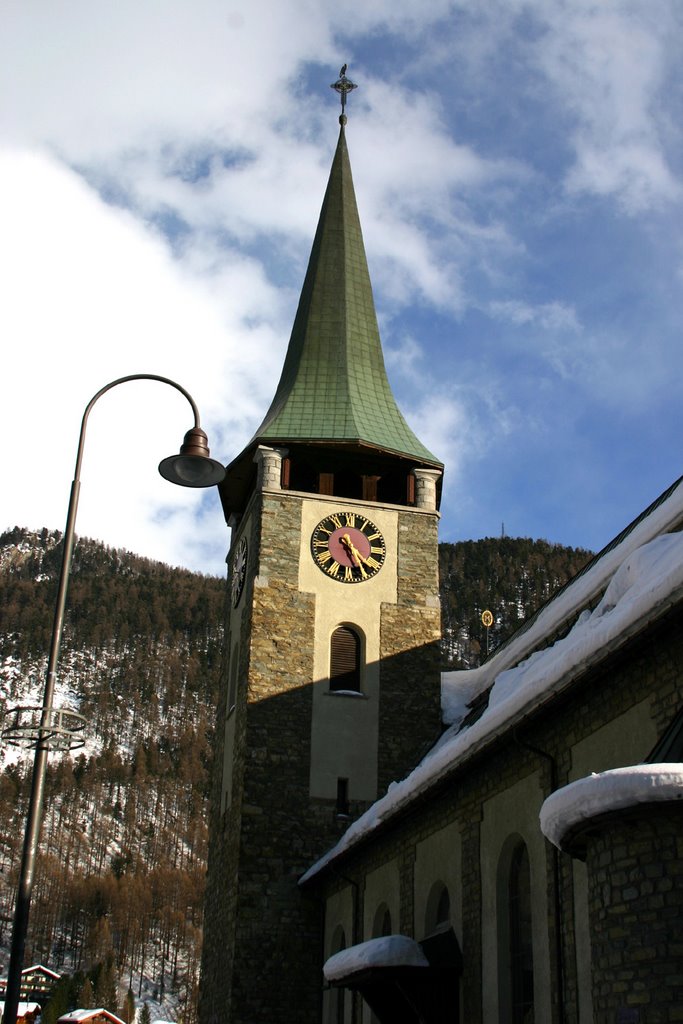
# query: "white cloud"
404, 357
141, 74
90, 296
551, 316
442, 422
602, 74
208, 129
608, 62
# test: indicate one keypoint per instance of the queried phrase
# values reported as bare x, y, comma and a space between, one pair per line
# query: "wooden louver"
345, 659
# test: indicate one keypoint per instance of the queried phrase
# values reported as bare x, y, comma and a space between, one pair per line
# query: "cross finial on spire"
343, 85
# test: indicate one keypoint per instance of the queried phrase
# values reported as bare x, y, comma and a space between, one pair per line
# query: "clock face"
239, 571
347, 547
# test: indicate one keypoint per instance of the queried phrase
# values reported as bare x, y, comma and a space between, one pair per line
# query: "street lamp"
192, 467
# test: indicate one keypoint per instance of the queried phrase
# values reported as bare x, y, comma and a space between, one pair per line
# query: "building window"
381, 926
520, 942
345, 658
438, 909
442, 949
326, 483
370, 487
342, 809
443, 908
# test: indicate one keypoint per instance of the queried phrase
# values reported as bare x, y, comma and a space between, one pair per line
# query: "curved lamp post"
192, 467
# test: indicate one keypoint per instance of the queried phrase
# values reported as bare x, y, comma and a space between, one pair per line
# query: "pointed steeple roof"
334, 389
334, 386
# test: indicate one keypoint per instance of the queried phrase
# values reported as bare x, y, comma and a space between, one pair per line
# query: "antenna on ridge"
343, 85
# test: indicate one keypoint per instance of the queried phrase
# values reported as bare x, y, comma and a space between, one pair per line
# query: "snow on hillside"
124, 838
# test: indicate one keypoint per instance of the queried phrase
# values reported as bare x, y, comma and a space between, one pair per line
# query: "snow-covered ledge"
390, 951
568, 810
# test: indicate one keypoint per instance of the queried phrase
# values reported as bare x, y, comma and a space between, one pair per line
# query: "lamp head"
193, 467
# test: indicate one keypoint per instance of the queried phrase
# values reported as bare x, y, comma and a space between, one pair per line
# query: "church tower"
331, 683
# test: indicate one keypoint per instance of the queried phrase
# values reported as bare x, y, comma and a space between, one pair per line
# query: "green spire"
334, 386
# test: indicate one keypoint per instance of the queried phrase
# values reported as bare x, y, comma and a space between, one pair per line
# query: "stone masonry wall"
635, 893
649, 667
274, 974
219, 905
410, 678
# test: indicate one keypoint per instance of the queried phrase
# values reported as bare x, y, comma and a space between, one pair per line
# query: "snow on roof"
647, 582
613, 790
42, 969
81, 1015
22, 1008
389, 951
663, 516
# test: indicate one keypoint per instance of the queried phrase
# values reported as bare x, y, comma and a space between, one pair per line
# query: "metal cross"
343, 85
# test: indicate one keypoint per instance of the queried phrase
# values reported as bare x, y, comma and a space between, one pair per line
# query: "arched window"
520, 957
438, 909
345, 659
443, 908
442, 949
381, 926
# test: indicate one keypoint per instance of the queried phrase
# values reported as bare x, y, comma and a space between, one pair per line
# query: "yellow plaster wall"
344, 730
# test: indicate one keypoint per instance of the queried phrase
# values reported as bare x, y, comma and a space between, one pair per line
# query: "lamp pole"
192, 467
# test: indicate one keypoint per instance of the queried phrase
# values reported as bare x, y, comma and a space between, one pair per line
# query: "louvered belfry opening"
345, 660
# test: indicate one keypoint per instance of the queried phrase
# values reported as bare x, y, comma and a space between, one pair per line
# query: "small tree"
128, 1008
145, 1017
106, 987
86, 998
59, 1001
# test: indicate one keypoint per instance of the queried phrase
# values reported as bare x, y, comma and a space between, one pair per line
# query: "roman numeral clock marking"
347, 547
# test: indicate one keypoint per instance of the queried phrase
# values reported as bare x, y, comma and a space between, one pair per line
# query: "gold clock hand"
354, 553
350, 547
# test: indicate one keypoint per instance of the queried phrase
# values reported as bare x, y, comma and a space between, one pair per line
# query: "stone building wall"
265, 964
635, 898
269, 833
410, 631
646, 675
275, 832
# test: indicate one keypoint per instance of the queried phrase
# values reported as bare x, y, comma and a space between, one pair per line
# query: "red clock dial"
347, 547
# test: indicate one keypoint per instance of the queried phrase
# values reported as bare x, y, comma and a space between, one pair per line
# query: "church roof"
334, 387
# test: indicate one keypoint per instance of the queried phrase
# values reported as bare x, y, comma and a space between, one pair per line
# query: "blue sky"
519, 172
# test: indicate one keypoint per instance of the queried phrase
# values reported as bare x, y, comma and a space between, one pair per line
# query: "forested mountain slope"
510, 577
124, 840
121, 876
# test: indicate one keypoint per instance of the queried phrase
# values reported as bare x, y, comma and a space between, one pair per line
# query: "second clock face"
347, 547
239, 571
